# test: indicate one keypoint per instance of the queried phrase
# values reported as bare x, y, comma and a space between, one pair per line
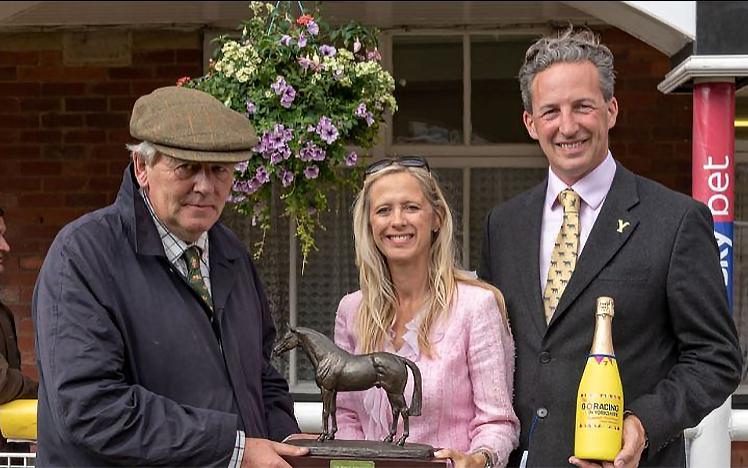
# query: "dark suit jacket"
675, 341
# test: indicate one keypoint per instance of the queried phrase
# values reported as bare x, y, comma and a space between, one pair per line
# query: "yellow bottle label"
599, 422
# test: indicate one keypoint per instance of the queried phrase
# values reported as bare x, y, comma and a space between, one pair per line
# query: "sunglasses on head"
405, 161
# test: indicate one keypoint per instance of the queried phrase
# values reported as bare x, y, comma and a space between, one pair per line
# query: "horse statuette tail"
415, 403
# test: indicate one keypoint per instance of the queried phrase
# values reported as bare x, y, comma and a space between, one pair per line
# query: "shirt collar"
592, 188
174, 247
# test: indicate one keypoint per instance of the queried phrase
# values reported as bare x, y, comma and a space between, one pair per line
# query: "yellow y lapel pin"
622, 225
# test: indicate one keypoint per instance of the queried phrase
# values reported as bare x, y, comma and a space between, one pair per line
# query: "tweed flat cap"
189, 124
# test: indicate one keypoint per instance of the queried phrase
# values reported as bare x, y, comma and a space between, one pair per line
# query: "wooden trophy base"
363, 454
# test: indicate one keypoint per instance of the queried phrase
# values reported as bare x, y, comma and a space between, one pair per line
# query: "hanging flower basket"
311, 92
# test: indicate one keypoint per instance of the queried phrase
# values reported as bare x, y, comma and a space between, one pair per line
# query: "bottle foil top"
605, 306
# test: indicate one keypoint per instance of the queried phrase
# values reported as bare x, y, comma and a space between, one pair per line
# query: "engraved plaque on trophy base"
363, 454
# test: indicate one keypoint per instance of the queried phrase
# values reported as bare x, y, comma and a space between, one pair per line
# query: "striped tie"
564, 255
195, 276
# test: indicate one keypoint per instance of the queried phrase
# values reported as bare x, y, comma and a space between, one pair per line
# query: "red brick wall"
63, 128
652, 136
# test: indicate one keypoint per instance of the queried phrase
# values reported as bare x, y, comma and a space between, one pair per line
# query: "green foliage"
310, 91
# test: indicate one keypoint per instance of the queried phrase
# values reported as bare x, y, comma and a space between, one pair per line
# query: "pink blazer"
467, 384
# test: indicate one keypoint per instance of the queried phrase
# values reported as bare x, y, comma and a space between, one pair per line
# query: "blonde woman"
414, 301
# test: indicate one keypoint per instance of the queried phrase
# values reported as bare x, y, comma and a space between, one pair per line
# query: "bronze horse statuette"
336, 370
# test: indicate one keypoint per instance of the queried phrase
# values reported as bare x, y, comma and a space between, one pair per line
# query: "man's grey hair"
568, 46
144, 149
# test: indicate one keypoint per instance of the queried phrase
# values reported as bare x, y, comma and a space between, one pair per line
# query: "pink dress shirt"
467, 383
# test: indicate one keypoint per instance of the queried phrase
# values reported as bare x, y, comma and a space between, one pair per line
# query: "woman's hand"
462, 459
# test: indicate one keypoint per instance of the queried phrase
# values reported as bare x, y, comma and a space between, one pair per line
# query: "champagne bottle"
599, 423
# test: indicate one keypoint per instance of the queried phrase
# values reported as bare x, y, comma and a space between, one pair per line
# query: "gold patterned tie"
564, 255
195, 276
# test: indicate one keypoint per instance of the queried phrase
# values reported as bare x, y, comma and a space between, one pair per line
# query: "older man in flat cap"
152, 328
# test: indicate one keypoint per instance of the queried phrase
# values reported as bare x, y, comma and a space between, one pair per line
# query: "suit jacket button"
545, 357
542, 413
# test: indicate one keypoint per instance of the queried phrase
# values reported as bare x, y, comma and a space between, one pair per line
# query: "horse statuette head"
289, 341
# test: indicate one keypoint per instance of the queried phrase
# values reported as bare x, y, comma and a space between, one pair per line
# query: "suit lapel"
222, 264
613, 227
527, 245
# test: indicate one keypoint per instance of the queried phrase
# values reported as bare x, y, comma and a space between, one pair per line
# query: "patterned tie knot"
192, 257
569, 199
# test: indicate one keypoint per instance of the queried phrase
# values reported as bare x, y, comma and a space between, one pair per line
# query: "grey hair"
145, 149
568, 46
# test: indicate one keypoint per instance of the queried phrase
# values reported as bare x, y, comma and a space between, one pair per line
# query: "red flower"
304, 19
183, 80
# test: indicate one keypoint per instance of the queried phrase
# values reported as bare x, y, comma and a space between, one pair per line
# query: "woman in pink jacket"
414, 301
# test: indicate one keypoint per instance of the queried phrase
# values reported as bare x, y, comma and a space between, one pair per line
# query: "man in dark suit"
649, 248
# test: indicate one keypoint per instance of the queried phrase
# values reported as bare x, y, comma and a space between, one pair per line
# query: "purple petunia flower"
241, 167
274, 139
251, 108
238, 186
311, 172
351, 159
312, 152
285, 152
326, 130
276, 157
302, 41
337, 74
289, 94
246, 187
286, 40
360, 111
286, 178
305, 153
312, 28
273, 145
262, 175
279, 86
327, 51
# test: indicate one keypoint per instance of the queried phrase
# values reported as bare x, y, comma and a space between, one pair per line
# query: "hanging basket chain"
275, 13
